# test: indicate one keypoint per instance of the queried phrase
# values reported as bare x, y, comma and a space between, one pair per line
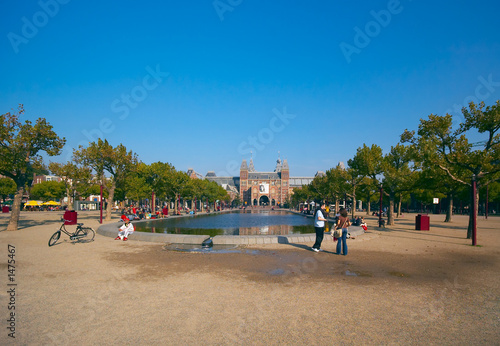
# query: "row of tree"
116, 169
437, 158
123, 177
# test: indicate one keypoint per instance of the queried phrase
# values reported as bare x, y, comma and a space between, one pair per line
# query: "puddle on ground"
218, 248
357, 273
278, 271
350, 273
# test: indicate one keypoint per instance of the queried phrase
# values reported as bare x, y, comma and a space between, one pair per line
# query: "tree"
103, 157
162, 178
300, 195
452, 152
399, 175
436, 180
76, 180
236, 201
7, 187
319, 187
337, 184
177, 184
136, 187
48, 190
369, 188
20, 147
366, 164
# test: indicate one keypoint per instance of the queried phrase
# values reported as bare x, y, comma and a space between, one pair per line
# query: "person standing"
319, 227
343, 223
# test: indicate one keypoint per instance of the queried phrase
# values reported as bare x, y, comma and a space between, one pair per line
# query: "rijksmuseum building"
259, 188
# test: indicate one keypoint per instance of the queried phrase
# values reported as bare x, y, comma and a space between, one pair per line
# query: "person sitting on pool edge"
125, 229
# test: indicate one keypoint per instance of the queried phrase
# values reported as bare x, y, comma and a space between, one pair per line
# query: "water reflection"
249, 222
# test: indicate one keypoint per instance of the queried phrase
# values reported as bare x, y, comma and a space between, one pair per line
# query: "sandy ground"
396, 286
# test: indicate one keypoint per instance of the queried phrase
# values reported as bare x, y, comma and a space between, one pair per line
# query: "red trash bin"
5, 209
422, 222
70, 217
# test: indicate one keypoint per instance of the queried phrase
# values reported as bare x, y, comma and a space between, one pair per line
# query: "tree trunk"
390, 211
111, 196
471, 214
449, 212
175, 205
368, 204
68, 196
399, 206
16, 209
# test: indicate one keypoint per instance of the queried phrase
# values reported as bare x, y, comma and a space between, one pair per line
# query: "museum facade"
259, 188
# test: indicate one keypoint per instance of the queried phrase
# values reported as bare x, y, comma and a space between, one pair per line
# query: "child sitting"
125, 229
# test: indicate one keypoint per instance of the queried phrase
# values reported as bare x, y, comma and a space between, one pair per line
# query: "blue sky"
201, 84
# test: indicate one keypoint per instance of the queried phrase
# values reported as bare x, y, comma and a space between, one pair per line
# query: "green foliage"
20, 148
7, 187
21, 143
163, 179
48, 190
437, 145
78, 180
236, 201
337, 183
103, 157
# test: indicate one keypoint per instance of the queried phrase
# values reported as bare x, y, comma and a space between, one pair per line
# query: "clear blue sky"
201, 83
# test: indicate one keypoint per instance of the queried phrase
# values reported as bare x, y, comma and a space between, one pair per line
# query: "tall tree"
338, 185
161, 177
438, 181
399, 175
76, 179
451, 150
20, 147
366, 164
103, 157
319, 186
177, 183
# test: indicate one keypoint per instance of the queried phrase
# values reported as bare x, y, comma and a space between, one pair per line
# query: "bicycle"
86, 234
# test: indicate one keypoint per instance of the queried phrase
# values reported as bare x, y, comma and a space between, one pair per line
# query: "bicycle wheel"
55, 237
86, 234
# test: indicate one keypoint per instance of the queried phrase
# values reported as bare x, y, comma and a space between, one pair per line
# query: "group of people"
342, 223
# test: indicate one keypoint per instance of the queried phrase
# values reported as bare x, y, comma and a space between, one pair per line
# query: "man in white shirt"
319, 227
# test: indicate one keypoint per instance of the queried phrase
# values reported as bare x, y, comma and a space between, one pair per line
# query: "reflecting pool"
248, 222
